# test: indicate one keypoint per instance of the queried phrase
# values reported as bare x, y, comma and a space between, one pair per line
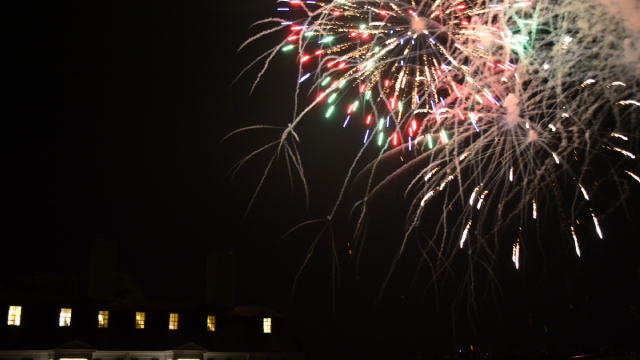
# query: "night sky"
113, 114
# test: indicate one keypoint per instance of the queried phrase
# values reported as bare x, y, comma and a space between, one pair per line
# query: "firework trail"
499, 105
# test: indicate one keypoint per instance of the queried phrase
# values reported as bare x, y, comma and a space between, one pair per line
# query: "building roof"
75, 345
190, 347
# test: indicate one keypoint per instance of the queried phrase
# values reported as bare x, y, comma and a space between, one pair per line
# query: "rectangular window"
14, 315
211, 323
173, 321
103, 319
65, 317
266, 325
139, 320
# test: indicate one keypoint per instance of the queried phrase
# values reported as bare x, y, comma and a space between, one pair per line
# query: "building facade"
94, 320
86, 330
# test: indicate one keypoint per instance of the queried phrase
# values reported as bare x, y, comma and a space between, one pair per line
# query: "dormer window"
266, 325
173, 321
103, 319
14, 315
65, 317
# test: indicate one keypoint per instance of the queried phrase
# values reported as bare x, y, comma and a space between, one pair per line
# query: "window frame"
211, 323
140, 319
65, 317
103, 319
15, 315
173, 321
266, 325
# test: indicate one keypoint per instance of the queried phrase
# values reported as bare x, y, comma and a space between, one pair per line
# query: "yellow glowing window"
139, 320
211, 323
103, 319
14, 315
173, 321
266, 325
65, 317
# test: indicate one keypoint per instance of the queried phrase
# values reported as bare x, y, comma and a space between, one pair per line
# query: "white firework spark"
575, 240
584, 192
633, 175
464, 234
595, 222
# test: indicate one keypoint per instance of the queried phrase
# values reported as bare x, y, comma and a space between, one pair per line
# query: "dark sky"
116, 114
113, 113
113, 117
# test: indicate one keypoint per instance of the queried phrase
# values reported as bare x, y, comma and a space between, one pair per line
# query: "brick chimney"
221, 280
102, 270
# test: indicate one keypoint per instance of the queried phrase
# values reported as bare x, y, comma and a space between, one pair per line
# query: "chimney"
102, 270
221, 280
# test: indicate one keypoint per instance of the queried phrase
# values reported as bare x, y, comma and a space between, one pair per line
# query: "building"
104, 326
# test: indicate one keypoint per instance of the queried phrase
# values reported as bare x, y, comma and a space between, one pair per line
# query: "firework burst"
498, 105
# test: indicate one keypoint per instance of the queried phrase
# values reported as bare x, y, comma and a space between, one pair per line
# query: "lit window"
139, 320
14, 315
173, 322
103, 319
65, 317
266, 325
211, 323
